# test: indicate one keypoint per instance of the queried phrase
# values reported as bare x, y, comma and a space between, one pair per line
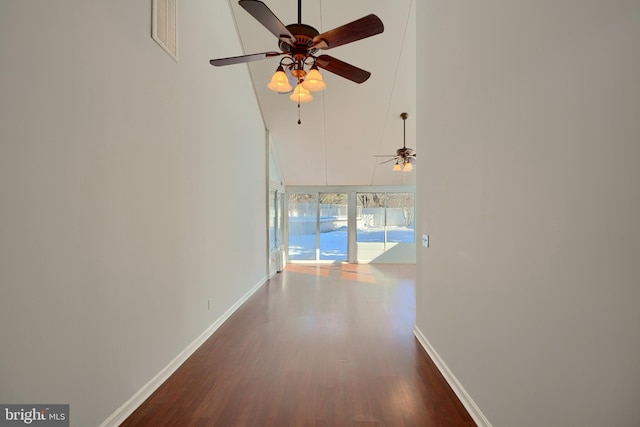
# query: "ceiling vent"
164, 25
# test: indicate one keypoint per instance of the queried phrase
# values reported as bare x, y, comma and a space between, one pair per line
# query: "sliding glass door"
355, 224
318, 226
303, 213
333, 227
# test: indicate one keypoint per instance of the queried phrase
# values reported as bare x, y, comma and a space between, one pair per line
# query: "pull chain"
299, 121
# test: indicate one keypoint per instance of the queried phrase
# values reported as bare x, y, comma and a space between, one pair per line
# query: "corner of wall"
453, 382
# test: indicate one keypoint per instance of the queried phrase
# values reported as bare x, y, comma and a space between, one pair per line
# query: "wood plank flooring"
319, 345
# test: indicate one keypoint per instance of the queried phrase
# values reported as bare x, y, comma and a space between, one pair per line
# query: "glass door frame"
319, 227
352, 256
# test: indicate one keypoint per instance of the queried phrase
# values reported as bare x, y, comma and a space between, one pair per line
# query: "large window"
385, 217
400, 215
370, 217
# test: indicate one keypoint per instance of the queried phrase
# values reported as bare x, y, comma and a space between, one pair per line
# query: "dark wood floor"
318, 345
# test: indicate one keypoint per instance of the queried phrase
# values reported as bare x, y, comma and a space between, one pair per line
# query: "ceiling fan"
404, 156
298, 44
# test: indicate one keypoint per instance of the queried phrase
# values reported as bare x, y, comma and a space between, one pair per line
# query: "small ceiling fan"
298, 44
404, 156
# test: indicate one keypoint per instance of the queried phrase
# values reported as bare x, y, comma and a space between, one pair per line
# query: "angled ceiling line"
393, 86
248, 68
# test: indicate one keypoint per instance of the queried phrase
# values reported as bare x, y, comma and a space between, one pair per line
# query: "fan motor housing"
304, 38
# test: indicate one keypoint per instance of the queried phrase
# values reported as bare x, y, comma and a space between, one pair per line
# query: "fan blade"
384, 155
342, 69
263, 14
390, 160
359, 29
243, 58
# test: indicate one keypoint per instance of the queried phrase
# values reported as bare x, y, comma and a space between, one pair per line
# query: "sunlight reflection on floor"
354, 272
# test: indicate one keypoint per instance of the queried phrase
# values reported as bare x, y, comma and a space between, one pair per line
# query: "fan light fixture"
314, 81
311, 81
404, 156
406, 164
298, 44
301, 95
279, 82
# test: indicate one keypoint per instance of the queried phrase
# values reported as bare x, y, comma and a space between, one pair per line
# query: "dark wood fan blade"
243, 58
342, 69
263, 14
359, 29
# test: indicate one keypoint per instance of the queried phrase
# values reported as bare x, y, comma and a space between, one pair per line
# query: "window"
400, 214
371, 217
385, 217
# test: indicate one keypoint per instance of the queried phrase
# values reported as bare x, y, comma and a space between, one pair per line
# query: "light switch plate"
425, 240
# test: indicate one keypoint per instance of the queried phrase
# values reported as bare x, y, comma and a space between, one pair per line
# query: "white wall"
122, 207
529, 122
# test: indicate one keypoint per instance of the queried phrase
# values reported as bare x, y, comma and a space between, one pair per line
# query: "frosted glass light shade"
301, 95
279, 82
397, 167
407, 167
314, 81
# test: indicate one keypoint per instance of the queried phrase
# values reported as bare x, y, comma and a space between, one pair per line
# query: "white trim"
121, 414
458, 389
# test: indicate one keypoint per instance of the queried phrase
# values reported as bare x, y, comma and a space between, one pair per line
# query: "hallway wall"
529, 131
122, 203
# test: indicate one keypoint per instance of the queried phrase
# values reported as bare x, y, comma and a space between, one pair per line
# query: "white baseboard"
141, 395
462, 394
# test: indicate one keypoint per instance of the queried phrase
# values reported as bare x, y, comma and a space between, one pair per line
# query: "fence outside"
302, 217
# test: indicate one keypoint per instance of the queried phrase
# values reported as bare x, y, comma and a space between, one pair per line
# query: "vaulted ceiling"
348, 123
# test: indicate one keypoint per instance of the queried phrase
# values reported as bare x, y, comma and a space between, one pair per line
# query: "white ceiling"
348, 123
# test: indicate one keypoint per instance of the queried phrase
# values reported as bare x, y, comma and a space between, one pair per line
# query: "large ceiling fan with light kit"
404, 156
298, 45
